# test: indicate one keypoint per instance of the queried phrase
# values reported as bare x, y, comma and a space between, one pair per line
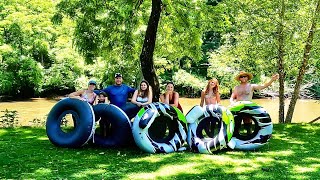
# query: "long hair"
143, 93
215, 89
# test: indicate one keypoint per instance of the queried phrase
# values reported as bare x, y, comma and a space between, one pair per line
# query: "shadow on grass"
292, 153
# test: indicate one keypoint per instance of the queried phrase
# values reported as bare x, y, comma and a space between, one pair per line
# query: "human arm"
176, 99
166, 97
131, 90
233, 97
150, 95
107, 100
96, 100
202, 98
134, 98
259, 87
218, 97
76, 95
161, 98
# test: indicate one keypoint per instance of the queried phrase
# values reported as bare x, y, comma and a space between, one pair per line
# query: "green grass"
292, 153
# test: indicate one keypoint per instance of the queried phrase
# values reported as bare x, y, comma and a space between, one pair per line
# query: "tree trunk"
146, 56
316, 119
304, 64
281, 62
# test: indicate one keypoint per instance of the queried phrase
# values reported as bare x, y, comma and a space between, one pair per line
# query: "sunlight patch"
220, 159
27, 132
241, 170
312, 159
151, 158
102, 165
264, 160
167, 171
279, 153
300, 169
43, 171
43, 138
3, 131
85, 173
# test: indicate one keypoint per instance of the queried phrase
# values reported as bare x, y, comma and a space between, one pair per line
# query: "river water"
38, 108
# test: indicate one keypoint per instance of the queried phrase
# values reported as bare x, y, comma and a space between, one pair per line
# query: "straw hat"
242, 73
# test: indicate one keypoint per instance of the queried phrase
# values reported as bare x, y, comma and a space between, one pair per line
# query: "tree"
281, 61
101, 26
27, 34
146, 57
304, 63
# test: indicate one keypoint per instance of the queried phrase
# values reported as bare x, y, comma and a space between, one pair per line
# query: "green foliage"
251, 45
114, 31
36, 122
20, 76
9, 119
28, 36
187, 84
207, 38
61, 78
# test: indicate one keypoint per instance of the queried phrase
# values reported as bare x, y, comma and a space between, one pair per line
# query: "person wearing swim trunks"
118, 95
86, 94
210, 95
244, 92
142, 96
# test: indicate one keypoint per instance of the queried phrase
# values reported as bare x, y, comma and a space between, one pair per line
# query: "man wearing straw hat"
244, 92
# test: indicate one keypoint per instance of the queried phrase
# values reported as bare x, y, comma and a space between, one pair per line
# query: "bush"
9, 119
20, 76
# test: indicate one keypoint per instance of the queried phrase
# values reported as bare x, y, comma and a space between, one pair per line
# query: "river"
38, 108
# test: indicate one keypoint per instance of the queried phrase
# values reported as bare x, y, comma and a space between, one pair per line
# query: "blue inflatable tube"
120, 132
83, 118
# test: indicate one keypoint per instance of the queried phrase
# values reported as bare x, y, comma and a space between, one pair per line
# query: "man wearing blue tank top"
118, 95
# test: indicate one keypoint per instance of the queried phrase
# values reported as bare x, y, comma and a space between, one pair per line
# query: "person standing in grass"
210, 95
244, 92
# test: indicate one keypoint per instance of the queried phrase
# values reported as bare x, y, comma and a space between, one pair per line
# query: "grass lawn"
292, 153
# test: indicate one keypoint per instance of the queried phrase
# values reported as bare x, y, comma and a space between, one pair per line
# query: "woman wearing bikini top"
142, 96
210, 95
171, 97
86, 94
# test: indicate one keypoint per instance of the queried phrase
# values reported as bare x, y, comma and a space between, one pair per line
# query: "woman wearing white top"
142, 96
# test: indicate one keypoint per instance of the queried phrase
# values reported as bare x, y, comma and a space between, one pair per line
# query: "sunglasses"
92, 84
243, 76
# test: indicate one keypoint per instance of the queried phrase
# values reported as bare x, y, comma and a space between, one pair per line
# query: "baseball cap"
92, 82
117, 75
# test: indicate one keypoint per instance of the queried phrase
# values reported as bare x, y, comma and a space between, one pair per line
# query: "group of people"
117, 94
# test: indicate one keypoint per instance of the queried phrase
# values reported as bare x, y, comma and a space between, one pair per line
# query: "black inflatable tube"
83, 118
120, 134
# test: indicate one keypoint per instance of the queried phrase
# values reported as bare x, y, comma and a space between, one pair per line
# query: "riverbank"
34, 111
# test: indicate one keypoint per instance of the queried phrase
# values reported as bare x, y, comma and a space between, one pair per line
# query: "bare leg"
247, 124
